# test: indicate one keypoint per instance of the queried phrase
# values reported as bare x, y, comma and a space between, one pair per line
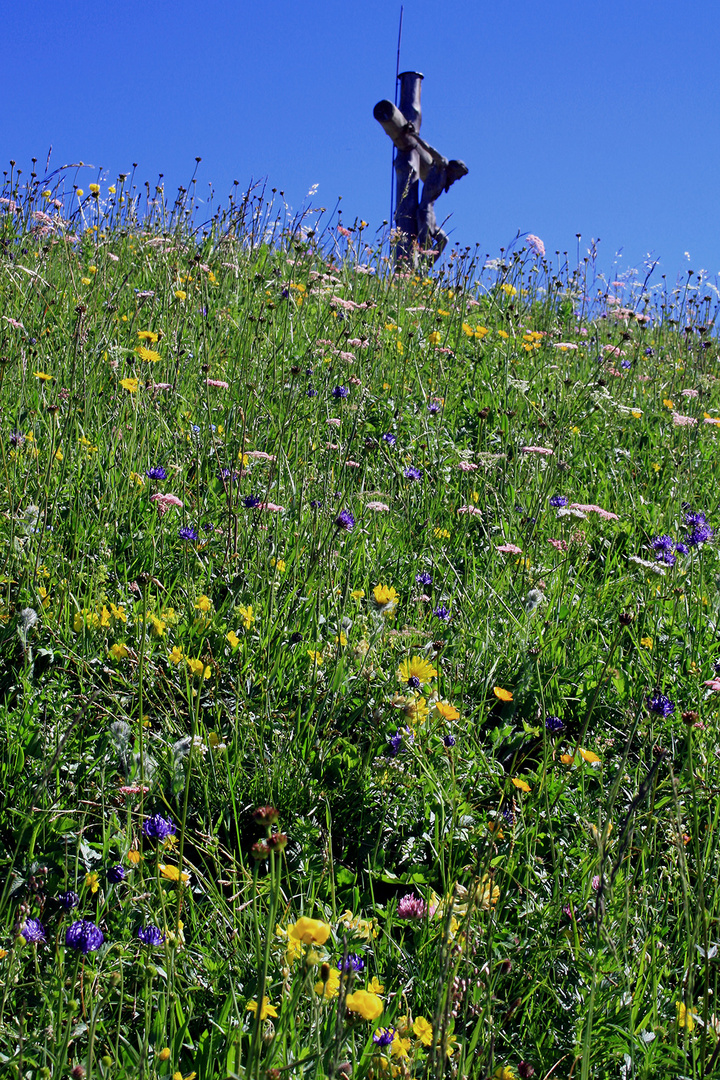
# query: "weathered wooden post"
415, 161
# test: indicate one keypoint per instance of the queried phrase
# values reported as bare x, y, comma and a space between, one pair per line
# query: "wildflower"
504, 1072
700, 535
446, 710
442, 613
175, 655
659, 704
588, 508
685, 1018
157, 626
173, 873
150, 356
588, 756
164, 1054
400, 1048
535, 244
351, 962
180, 294
150, 935
116, 874
164, 502
147, 335
395, 746
521, 785
84, 936
647, 642
368, 1005
186, 532
266, 1011
558, 500
509, 549
92, 882
503, 695
203, 603
486, 893
218, 383
68, 900
159, 828
415, 672
553, 724
411, 473
272, 507
340, 391
384, 1036
33, 931
386, 598
119, 651
389, 438
423, 579
345, 521
198, 669
309, 931
42, 376
542, 450
232, 637
157, 472
329, 986
411, 907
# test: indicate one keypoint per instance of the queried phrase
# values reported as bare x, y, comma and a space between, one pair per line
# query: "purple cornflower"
157, 827
449, 740
345, 521
116, 874
17, 438
423, 578
389, 438
553, 724
150, 935
340, 391
662, 543
625, 364
316, 504
411, 907
558, 500
682, 549
351, 962
411, 473
33, 930
251, 501
84, 936
700, 535
156, 473
187, 533
384, 1036
68, 900
434, 408
660, 704
414, 683
694, 519
396, 742
442, 613
311, 391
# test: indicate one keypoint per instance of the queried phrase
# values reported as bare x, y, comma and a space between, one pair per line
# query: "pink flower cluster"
559, 545
271, 506
164, 502
217, 382
467, 466
683, 421
510, 549
260, 455
469, 510
411, 907
591, 508
543, 450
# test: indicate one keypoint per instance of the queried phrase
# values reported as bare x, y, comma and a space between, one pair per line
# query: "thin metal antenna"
397, 80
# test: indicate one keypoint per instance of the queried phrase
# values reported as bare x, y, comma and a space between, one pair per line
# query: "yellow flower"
487, 893
266, 1010
636, 414
79, 192
647, 642
118, 612
175, 655
423, 1030
503, 1072
43, 376
203, 603
441, 534
58, 455
481, 332
133, 856
447, 711
589, 756
172, 873
279, 565
416, 669
521, 785
84, 280
157, 626
375, 986
315, 656
384, 595
233, 639
164, 1054
94, 189
309, 931
147, 335
435, 337
357, 594
149, 355
503, 334
104, 616
329, 989
368, 1005
92, 883
668, 403
503, 695
416, 710
180, 294
399, 1047
684, 1016
119, 652
509, 290
199, 669
247, 615
131, 386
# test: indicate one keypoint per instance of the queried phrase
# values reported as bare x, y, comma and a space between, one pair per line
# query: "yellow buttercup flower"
266, 1010
92, 883
521, 785
119, 652
684, 1016
173, 873
368, 1005
446, 710
147, 335
247, 615
330, 988
503, 695
309, 931
203, 603
233, 639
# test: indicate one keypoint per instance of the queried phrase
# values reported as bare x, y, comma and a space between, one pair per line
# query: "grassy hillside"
358, 646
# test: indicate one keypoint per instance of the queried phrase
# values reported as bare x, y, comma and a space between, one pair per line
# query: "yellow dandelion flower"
131, 386
147, 335
150, 356
416, 671
43, 376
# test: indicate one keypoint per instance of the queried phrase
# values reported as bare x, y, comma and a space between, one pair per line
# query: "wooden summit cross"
416, 160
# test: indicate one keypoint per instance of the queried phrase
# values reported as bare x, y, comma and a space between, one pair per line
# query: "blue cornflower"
340, 391
116, 874
682, 549
553, 724
449, 740
187, 533
384, 1036
345, 521
411, 473
68, 900
423, 578
558, 500
700, 535
662, 543
157, 827
660, 704
251, 501
311, 391
434, 408
442, 613
694, 519
33, 930
396, 741
351, 962
414, 683
150, 935
156, 473
84, 936
626, 364
316, 504
389, 438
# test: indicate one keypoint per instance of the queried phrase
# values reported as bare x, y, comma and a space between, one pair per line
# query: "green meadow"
359, 654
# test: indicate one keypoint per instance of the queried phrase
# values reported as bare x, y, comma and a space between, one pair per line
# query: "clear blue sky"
599, 118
